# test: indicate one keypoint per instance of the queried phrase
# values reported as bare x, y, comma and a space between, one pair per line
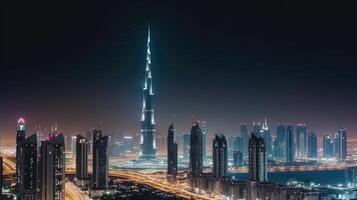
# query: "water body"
327, 177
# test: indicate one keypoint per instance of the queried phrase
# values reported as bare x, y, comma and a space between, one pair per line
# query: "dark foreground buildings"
196, 161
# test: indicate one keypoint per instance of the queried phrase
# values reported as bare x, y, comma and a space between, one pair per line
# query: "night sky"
225, 64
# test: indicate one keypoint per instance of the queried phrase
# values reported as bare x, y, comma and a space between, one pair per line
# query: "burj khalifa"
148, 147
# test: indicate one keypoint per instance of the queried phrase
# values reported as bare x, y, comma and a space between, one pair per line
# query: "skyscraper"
171, 153
204, 139
312, 145
148, 139
341, 144
196, 163
301, 140
220, 156
52, 168
265, 134
280, 143
100, 160
327, 146
81, 158
258, 163
186, 145
245, 140
290, 145
20, 137
28, 168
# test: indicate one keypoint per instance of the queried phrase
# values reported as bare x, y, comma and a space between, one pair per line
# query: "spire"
148, 52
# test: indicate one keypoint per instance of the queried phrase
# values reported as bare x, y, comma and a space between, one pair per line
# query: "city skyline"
224, 77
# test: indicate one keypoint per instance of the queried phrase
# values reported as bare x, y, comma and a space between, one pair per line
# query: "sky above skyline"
224, 64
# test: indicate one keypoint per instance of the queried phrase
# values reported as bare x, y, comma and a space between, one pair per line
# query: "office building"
301, 140
52, 168
258, 163
196, 163
265, 134
171, 154
327, 146
280, 143
220, 156
245, 140
341, 144
204, 140
290, 144
100, 160
312, 145
20, 137
27, 187
81, 158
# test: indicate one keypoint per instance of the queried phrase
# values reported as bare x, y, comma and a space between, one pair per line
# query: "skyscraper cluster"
39, 168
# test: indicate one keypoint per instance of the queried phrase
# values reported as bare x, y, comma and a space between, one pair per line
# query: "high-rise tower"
20, 137
148, 133
220, 156
196, 162
52, 169
81, 158
258, 163
171, 153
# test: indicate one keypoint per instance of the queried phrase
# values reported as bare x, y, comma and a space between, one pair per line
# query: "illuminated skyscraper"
327, 146
28, 168
81, 158
196, 163
171, 153
220, 157
20, 137
100, 160
245, 140
341, 144
148, 133
258, 162
52, 169
290, 145
301, 140
312, 145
